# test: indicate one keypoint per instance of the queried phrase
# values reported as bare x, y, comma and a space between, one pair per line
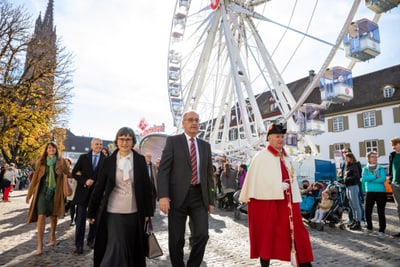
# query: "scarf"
50, 177
124, 164
372, 167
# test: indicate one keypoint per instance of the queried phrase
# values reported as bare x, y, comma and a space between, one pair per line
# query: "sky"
120, 54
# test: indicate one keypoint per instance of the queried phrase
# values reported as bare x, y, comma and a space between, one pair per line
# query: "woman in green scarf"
46, 188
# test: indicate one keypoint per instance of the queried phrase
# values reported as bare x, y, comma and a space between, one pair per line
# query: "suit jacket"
85, 167
105, 185
175, 171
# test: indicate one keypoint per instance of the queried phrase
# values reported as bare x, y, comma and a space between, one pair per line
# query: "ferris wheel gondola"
219, 64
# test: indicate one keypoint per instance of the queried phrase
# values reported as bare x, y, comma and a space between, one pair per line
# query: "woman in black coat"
121, 202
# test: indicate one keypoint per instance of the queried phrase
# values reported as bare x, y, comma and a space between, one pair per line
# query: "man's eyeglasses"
120, 139
191, 120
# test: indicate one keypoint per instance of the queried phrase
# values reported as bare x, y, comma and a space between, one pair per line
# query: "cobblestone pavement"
228, 244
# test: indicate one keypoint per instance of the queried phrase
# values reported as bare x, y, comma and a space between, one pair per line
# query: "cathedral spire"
48, 17
41, 52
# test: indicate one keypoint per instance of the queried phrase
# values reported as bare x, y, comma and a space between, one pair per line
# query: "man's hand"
210, 209
163, 204
89, 182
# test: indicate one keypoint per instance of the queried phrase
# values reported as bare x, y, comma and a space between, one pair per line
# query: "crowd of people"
117, 193
13, 178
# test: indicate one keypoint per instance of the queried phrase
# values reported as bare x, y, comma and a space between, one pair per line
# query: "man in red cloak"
276, 228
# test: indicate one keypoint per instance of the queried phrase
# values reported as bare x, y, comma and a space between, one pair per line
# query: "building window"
388, 91
369, 119
340, 146
371, 145
338, 124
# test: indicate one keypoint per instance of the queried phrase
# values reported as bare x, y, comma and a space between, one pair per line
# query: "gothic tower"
41, 53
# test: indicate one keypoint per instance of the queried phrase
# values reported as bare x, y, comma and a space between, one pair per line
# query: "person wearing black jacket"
361, 193
351, 178
85, 172
394, 174
120, 204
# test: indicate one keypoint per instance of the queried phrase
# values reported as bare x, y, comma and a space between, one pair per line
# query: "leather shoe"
78, 251
396, 235
90, 244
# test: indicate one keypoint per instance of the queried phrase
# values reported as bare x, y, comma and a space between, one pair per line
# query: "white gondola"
381, 6
310, 119
175, 57
291, 139
174, 73
179, 20
177, 105
336, 85
291, 143
362, 42
184, 4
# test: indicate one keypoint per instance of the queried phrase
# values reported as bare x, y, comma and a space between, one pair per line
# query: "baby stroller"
335, 214
310, 200
240, 207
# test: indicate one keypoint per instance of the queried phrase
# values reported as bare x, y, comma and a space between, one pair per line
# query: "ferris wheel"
224, 54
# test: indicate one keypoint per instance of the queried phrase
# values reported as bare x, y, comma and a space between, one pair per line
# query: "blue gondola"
336, 85
362, 42
380, 6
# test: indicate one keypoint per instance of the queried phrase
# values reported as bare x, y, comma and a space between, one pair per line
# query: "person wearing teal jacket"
374, 177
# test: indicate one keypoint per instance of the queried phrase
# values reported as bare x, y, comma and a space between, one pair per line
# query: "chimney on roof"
311, 74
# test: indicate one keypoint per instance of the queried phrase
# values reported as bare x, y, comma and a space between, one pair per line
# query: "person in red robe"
276, 228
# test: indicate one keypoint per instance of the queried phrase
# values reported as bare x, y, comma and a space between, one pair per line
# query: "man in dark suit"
85, 172
186, 188
151, 169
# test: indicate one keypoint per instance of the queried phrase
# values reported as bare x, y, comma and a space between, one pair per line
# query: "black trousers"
80, 227
194, 208
380, 199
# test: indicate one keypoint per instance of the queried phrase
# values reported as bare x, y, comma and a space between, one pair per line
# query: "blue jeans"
353, 194
361, 195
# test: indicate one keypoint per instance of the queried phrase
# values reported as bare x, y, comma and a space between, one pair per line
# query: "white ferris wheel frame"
237, 86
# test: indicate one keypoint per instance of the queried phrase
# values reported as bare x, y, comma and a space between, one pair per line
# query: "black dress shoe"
396, 235
78, 251
90, 244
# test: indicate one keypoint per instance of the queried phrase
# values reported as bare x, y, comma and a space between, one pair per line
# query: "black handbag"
152, 248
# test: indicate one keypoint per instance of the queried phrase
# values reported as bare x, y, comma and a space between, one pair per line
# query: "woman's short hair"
371, 153
126, 131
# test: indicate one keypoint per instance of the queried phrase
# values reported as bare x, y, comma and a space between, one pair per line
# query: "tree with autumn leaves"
35, 91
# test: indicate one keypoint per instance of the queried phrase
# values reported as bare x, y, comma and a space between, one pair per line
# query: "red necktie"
193, 159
